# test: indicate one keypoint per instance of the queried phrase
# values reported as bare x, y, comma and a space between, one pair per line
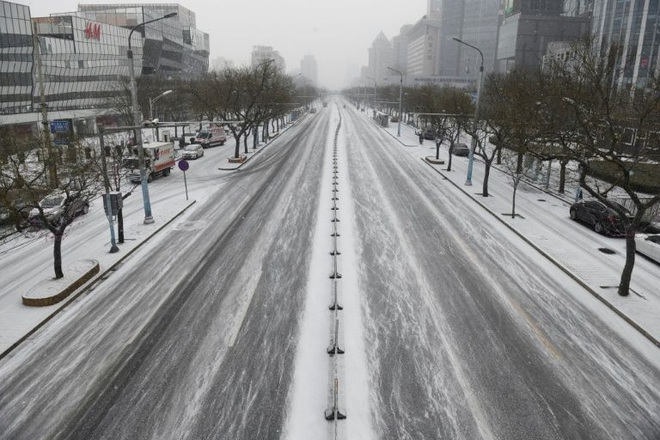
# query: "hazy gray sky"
337, 32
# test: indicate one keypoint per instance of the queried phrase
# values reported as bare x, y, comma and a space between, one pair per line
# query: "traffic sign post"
183, 166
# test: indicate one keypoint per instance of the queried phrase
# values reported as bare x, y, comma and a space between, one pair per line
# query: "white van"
211, 136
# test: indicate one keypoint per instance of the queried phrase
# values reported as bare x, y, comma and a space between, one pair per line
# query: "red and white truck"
208, 137
158, 161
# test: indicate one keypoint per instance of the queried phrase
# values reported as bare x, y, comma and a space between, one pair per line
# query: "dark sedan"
460, 149
600, 217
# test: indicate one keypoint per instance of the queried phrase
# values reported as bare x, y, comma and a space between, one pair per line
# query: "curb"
41, 301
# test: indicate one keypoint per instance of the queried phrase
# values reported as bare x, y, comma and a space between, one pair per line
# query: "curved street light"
468, 180
148, 218
153, 100
398, 132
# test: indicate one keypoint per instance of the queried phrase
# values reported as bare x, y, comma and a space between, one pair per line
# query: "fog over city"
337, 33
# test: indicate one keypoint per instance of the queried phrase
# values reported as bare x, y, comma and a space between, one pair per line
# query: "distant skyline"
338, 33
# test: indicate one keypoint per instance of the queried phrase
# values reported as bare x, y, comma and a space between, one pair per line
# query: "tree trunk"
626, 275
120, 225
519, 164
237, 149
486, 175
57, 253
516, 180
451, 150
562, 176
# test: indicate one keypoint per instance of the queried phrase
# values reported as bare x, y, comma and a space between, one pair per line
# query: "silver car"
192, 151
54, 206
648, 245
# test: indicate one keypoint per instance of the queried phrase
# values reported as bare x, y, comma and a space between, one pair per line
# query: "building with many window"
79, 62
76, 63
633, 25
72, 65
427, 52
16, 59
480, 28
527, 27
172, 47
264, 54
381, 55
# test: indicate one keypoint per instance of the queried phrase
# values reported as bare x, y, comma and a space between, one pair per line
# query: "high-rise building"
77, 62
381, 56
74, 64
634, 25
82, 61
432, 55
309, 68
527, 27
172, 47
479, 27
400, 48
264, 54
423, 54
16, 60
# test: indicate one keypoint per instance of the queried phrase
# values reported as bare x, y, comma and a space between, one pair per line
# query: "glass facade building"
16, 59
528, 27
82, 61
634, 25
172, 47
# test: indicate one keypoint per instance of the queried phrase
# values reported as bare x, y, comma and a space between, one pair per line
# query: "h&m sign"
93, 31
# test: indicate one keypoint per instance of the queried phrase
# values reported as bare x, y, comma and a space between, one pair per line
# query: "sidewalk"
641, 309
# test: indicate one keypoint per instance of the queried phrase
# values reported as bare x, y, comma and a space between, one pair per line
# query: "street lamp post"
148, 218
106, 197
468, 180
151, 108
398, 131
374, 100
153, 100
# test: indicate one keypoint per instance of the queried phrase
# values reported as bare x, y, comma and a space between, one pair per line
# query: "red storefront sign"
93, 31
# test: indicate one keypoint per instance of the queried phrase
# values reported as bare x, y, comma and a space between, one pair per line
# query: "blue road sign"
183, 165
59, 126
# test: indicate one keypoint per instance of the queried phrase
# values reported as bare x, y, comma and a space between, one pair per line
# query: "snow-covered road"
467, 335
453, 326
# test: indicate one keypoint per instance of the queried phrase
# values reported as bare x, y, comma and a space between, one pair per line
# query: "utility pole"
49, 160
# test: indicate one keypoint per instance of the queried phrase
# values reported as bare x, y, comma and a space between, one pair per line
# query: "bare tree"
245, 94
26, 178
611, 130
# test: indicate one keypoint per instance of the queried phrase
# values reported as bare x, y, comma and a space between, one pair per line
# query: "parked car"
599, 216
429, 133
460, 149
192, 151
55, 205
648, 245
